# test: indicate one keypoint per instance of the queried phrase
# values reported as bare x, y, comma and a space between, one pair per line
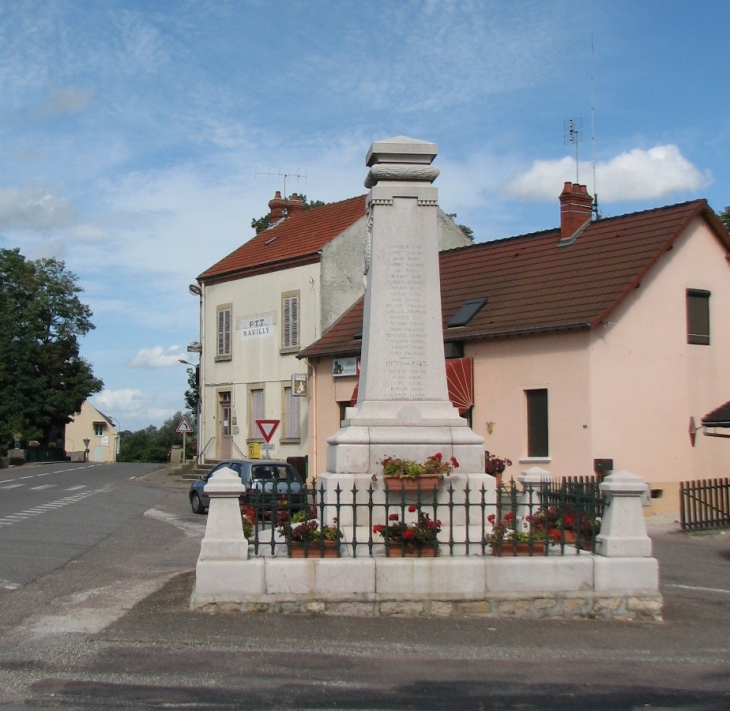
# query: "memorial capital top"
401, 149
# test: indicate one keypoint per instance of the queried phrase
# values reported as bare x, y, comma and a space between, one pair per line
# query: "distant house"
588, 348
260, 305
92, 425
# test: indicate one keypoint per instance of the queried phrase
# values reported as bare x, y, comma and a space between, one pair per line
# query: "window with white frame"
255, 411
98, 429
223, 319
290, 321
537, 423
290, 418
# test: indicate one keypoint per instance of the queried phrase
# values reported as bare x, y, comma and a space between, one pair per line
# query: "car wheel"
196, 503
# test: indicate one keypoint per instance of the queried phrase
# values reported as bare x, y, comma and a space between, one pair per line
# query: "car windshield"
275, 473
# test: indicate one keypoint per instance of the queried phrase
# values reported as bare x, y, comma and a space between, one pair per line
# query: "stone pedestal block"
623, 529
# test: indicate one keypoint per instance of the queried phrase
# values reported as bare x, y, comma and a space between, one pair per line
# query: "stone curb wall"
621, 605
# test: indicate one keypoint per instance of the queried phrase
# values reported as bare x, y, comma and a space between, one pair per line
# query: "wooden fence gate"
704, 504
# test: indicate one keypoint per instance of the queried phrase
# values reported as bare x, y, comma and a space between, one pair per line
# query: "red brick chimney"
277, 208
295, 205
575, 209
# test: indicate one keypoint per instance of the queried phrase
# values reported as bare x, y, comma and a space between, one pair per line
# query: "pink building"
596, 346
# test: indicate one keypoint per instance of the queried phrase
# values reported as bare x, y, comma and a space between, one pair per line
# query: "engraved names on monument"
405, 321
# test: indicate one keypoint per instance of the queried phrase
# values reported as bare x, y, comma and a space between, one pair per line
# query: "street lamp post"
196, 366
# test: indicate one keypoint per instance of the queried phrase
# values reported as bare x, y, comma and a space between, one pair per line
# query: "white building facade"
259, 306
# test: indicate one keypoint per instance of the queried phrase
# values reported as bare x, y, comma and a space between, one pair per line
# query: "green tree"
192, 394
153, 444
725, 216
261, 223
43, 378
468, 231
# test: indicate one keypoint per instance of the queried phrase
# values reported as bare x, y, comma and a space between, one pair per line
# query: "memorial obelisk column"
403, 408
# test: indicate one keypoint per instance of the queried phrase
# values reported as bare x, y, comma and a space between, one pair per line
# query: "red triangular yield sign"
267, 428
184, 427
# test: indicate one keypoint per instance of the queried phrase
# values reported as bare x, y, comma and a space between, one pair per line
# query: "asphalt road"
52, 513
112, 629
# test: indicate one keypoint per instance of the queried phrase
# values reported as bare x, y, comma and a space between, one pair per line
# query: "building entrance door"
225, 437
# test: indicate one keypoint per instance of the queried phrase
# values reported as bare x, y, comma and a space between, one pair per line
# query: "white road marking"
10, 519
9, 585
694, 587
189, 528
43, 486
93, 610
76, 488
11, 486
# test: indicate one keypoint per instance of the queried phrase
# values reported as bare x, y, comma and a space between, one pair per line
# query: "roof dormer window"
467, 312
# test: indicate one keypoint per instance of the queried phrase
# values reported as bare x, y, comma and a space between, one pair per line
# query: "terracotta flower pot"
426, 483
411, 550
314, 549
507, 548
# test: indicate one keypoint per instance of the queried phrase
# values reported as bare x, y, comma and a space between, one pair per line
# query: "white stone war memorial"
403, 411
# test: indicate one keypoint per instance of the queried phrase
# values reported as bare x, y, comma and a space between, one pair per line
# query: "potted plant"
495, 466
248, 518
409, 475
307, 539
418, 538
566, 527
506, 538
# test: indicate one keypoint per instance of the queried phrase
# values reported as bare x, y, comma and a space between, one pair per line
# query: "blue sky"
136, 136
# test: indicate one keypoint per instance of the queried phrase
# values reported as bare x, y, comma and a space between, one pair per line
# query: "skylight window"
467, 312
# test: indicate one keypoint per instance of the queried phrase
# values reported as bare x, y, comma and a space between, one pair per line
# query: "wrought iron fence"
548, 519
704, 504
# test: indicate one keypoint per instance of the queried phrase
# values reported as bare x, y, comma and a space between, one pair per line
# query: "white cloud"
67, 100
634, 175
638, 175
126, 400
34, 207
158, 357
131, 408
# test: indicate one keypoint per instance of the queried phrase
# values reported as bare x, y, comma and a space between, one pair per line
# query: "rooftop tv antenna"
573, 131
297, 176
593, 136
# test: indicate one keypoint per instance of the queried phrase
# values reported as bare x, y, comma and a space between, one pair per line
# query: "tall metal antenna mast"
296, 175
593, 135
573, 131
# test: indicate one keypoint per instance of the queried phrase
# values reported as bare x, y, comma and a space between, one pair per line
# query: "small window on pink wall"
698, 317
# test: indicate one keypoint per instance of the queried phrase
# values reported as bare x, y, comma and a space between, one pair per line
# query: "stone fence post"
224, 572
224, 539
623, 529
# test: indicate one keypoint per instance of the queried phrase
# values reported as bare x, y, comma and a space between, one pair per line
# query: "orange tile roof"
296, 240
533, 285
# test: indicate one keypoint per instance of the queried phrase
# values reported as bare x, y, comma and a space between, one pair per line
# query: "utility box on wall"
602, 467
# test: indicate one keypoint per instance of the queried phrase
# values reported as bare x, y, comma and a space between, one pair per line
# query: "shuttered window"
291, 416
698, 317
537, 423
290, 320
223, 349
255, 412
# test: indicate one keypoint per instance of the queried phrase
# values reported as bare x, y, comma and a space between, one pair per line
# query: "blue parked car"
266, 482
